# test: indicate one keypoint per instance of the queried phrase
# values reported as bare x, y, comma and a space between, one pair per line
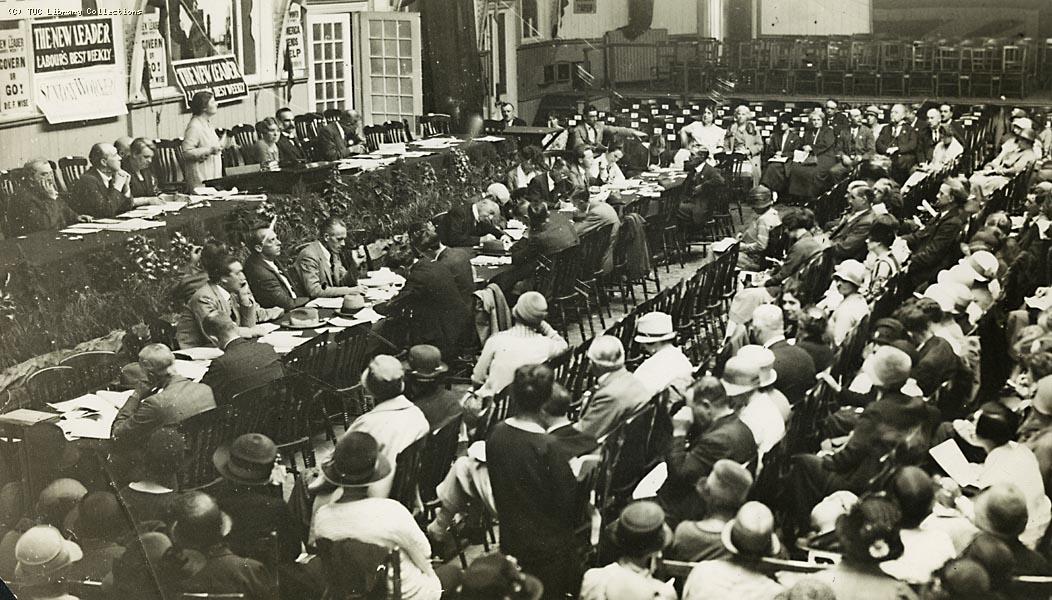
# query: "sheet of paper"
25, 416
88, 401
96, 427
490, 261
117, 399
777, 159
648, 486
284, 341
723, 245
800, 156
200, 353
489, 138
333, 303
949, 456
267, 327
80, 230
193, 370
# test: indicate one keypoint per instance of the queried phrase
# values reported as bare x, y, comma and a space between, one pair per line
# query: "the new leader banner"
78, 72
220, 75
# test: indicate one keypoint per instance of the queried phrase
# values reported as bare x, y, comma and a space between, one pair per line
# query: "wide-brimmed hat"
641, 529
42, 553
763, 358
654, 327
984, 264
740, 377
58, 499
872, 109
424, 362
728, 483
751, 532
302, 318
851, 271
249, 460
356, 461
352, 303
498, 576
531, 309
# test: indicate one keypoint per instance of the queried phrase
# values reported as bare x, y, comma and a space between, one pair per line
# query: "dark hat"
424, 362
870, 530
760, 197
498, 576
356, 461
887, 330
249, 460
641, 529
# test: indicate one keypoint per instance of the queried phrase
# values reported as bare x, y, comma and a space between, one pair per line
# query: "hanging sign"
220, 75
152, 43
292, 39
14, 71
77, 72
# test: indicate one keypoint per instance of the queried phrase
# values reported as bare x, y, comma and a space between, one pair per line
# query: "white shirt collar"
106, 179
523, 425
475, 212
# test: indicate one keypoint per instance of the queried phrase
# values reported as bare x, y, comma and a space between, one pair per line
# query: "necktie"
785, 138
332, 267
895, 132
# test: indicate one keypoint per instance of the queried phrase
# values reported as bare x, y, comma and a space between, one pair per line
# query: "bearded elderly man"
37, 205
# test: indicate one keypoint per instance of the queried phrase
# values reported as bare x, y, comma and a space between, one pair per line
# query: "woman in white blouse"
202, 148
705, 132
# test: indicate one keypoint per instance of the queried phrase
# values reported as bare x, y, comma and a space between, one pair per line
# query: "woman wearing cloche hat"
639, 535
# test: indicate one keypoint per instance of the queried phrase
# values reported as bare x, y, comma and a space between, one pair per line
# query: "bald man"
163, 398
123, 146
341, 139
898, 140
37, 205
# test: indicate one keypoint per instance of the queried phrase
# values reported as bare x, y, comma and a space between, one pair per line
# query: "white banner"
78, 74
292, 38
152, 43
15, 97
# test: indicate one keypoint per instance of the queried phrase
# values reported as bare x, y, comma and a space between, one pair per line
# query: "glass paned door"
329, 70
391, 85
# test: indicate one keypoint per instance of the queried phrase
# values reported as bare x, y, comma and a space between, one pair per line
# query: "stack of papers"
284, 341
90, 415
437, 142
333, 303
723, 245
490, 261
193, 370
489, 138
366, 315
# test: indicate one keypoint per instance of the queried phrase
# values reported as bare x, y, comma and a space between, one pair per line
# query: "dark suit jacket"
867, 445
933, 246
245, 364
617, 397
458, 261
142, 182
515, 122
436, 310
459, 227
223, 572
557, 234
90, 196
331, 145
906, 142
799, 253
30, 212
438, 404
146, 411
848, 236
726, 437
925, 143
572, 442
267, 286
774, 143
795, 369
256, 511
290, 150
936, 364
862, 143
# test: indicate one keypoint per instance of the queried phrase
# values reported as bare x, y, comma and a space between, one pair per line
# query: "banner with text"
77, 72
220, 75
292, 39
14, 71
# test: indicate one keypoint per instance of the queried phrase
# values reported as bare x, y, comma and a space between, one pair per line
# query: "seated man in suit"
37, 205
457, 261
592, 132
226, 293
616, 394
340, 139
794, 366
103, 190
163, 398
847, 236
431, 307
508, 118
470, 224
595, 214
137, 164
932, 246
269, 283
549, 233
319, 264
290, 148
245, 364
857, 144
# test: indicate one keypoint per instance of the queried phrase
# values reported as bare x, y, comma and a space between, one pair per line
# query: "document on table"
949, 456
284, 341
200, 353
101, 401
366, 315
193, 370
333, 303
489, 138
267, 327
25, 417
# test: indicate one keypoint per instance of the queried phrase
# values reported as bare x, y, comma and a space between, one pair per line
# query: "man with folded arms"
226, 293
37, 205
270, 284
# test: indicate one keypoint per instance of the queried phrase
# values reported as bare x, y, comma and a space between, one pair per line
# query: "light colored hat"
499, 192
607, 352
751, 532
763, 359
654, 327
740, 376
943, 295
760, 197
888, 367
984, 264
851, 271
42, 553
531, 308
825, 514
1042, 401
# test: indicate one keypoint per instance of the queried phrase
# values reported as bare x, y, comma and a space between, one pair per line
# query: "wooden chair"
168, 165
374, 136
354, 569
594, 245
921, 76
407, 474
948, 71
94, 369
436, 462
557, 278
331, 115
204, 432
1013, 71
9, 183
395, 132
434, 124
71, 168
51, 384
307, 126
244, 135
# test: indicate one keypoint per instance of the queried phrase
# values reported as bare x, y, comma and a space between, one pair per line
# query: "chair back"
244, 135
168, 163
311, 358
350, 355
374, 136
51, 384
433, 124
497, 411
331, 115
407, 473
354, 569
395, 132
624, 461
307, 126
441, 451
71, 168
593, 247
94, 369
558, 278
204, 432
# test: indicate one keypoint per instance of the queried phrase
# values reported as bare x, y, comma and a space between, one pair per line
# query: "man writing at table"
245, 364
226, 293
37, 206
470, 224
104, 189
319, 266
341, 139
269, 283
161, 398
